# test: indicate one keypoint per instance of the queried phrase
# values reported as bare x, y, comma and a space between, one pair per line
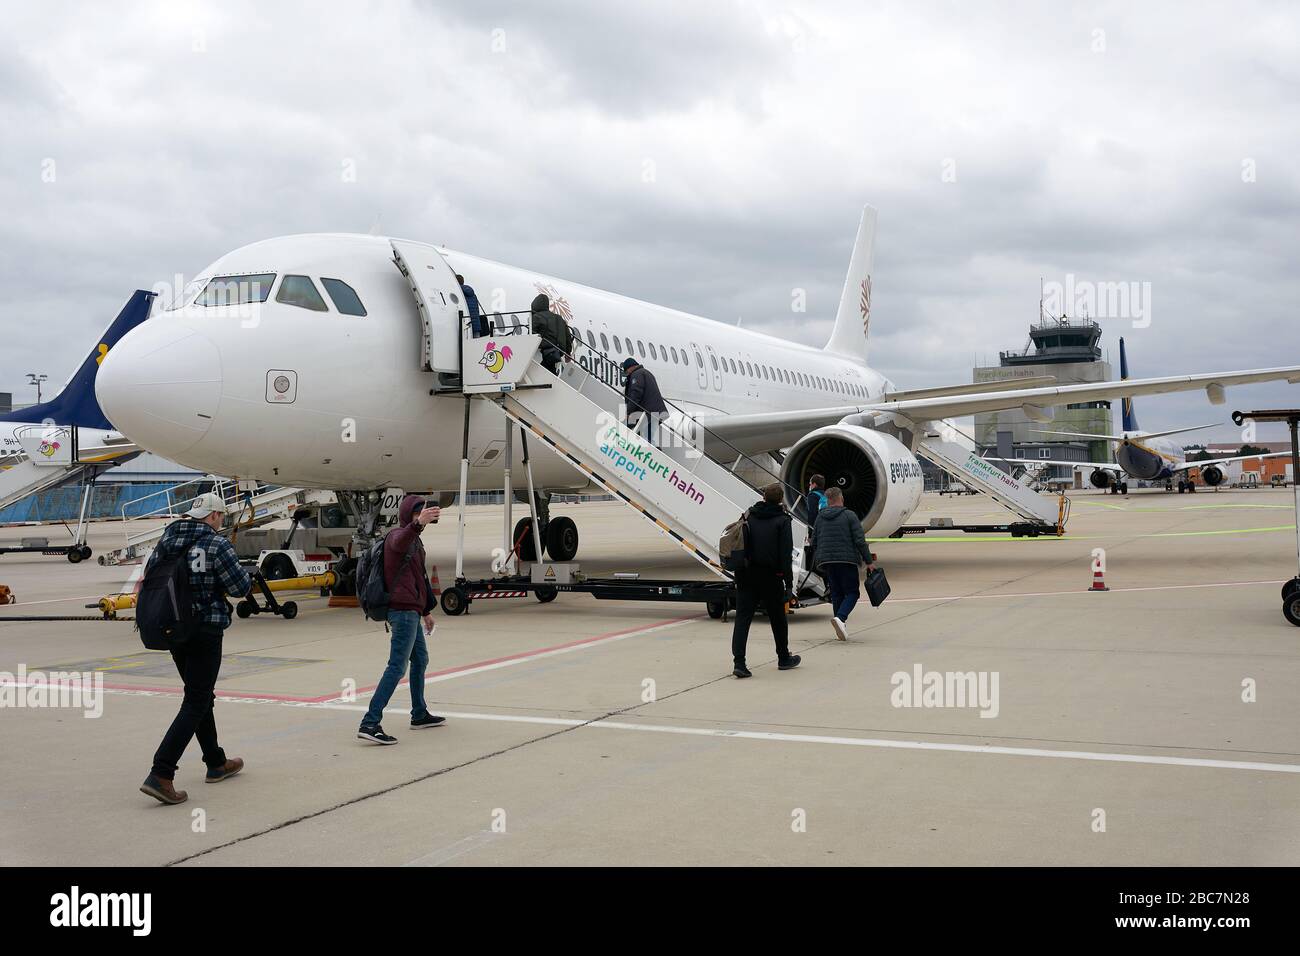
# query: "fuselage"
1148, 459
314, 397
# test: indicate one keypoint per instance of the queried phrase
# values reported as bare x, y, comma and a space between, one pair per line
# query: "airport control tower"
1068, 350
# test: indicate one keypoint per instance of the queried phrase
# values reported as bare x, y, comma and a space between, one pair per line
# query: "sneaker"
225, 771
376, 733
428, 720
740, 670
162, 790
790, 663
840, 631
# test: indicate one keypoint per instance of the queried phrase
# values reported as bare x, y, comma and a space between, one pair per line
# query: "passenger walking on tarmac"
839, 547
815, 500
214, 573
765, 579
410, 598
557, 337
477, 321
643, 399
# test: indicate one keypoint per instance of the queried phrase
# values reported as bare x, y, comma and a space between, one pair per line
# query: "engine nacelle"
1212, 475
881, 479
1101, 478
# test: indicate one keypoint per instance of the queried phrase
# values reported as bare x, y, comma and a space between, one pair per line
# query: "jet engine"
881, 479
1101, 478
1212, 475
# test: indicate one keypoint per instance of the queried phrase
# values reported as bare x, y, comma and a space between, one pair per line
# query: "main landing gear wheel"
523, 537
1123, 488
545, 595
562, 539
1291, 609
454, 601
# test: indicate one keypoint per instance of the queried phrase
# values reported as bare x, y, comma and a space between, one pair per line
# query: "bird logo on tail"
864, 303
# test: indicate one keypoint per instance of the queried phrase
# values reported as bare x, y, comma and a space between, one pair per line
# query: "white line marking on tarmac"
875, 742
1084, 590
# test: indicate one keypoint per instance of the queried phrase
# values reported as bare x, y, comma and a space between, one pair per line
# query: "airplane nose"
160, 386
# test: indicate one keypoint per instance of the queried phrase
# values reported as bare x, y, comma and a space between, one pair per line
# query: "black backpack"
372, 589
164, 609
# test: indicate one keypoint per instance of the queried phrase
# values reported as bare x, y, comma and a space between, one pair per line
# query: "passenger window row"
736, 366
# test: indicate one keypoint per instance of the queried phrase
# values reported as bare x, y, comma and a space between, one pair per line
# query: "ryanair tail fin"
1129, 421
853, 318
76, 403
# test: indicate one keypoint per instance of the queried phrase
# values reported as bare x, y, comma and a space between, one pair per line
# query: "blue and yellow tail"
76, 404
1129, 422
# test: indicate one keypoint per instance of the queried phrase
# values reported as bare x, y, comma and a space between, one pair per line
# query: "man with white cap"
214, 574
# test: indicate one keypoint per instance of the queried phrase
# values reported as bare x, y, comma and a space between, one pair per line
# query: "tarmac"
1155, 723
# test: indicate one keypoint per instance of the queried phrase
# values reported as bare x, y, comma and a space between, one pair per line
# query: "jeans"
755, 587
198, 661
845, 588
407, 645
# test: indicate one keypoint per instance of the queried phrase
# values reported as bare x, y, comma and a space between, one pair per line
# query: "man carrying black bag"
839, 547
765, 579
214, 574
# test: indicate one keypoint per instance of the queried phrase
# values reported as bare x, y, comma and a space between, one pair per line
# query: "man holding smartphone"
410, 598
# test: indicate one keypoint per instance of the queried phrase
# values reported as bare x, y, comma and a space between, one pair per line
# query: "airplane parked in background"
1147, 456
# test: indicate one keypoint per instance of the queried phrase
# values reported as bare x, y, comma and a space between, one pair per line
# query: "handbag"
877, 586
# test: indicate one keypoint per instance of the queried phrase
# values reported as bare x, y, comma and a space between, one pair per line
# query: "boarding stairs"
249, 506
1014, 494
686, 495
51, 457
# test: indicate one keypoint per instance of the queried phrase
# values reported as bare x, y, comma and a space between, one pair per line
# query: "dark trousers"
199, 661
551, 356
645, 425
845, 588
757, 588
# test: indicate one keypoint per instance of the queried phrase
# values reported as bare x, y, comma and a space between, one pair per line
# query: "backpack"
164, 609
372, 589
731, 546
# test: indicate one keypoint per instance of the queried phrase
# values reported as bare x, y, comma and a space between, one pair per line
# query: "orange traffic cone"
435, 583
1098, 580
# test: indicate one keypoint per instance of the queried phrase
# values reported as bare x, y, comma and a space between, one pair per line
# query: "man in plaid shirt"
214, 574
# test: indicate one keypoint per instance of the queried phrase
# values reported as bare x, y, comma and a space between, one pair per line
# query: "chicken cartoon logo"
48, 447
494, 359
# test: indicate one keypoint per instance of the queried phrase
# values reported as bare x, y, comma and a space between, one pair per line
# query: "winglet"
76, 403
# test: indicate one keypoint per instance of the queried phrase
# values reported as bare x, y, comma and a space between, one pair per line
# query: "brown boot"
227, 769
161, 789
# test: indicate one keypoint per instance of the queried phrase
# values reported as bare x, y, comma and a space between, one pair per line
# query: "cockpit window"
345, 298
300, 291
237, 290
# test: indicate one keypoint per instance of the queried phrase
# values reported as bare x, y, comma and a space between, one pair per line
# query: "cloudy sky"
710, 156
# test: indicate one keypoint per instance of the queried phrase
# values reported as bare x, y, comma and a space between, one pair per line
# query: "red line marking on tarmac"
522, 655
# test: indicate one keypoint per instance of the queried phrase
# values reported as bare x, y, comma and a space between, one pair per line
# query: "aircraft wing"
1041, 399
769, 431
1187, 466
1108, 465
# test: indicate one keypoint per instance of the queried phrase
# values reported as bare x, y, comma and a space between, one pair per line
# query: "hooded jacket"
642, 391
408, 584
838, 538
550, 326
769, 546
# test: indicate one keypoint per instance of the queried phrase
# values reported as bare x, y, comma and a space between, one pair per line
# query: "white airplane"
1146, 456
304, 360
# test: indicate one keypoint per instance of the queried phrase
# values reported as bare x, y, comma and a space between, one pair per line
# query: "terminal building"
1068, 350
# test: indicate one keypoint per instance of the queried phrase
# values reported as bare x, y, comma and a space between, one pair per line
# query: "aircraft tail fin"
853, 317
1129, 420
76, 403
